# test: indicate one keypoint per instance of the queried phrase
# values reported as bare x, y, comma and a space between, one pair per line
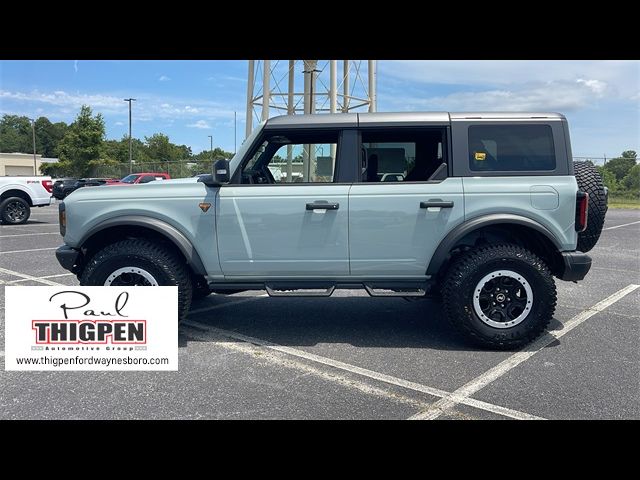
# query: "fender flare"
17, 186
174, 235
447, 243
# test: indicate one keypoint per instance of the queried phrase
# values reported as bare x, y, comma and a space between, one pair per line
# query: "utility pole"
235, 133
130, 150
33, 131
211, 149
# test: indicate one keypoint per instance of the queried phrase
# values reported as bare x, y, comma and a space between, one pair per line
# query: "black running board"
282, 291
326, 289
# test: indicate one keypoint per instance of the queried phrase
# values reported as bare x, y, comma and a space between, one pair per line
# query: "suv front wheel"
499, 296
139, 262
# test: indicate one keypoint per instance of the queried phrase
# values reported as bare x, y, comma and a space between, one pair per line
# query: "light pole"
211, 149
235, 133
130, 150
33, 131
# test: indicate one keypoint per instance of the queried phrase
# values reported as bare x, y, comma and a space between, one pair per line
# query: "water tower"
277, 87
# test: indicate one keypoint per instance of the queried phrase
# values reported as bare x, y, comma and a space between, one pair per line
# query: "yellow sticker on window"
480, 155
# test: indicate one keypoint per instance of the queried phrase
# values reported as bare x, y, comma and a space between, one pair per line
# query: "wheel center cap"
500, 297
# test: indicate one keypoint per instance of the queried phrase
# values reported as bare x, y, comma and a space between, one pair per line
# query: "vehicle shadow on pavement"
357, 321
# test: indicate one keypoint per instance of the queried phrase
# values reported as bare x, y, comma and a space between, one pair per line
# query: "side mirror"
221, 172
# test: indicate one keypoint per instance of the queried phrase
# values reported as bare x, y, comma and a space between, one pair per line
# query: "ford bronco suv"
480, 209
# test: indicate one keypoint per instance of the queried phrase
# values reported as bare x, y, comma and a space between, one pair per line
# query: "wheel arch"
504, 227
16, 192
145, 227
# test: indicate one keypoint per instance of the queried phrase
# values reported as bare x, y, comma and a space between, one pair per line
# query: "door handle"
436, 203
323, 206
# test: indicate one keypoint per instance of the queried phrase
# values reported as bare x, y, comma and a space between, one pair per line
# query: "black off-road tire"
590, 181
165, 265
7, 207
467, 271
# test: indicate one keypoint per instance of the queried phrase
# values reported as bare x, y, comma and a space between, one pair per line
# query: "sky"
189, 100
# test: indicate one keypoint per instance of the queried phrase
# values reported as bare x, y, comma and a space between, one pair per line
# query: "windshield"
129, 179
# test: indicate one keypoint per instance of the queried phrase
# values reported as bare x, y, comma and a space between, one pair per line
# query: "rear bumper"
576, 266
69, 258
41, 201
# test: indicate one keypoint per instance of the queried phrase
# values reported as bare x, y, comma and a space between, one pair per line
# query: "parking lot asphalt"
249, 356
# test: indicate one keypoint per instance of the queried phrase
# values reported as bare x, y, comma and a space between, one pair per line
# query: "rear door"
404, 204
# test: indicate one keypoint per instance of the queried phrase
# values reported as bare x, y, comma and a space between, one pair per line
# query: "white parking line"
620, 226
27, 225
26, 277
381, 377
463, 393
285, 361
29, 234
29, 250
46, 276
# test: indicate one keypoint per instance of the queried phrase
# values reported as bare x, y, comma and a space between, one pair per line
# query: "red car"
144, 177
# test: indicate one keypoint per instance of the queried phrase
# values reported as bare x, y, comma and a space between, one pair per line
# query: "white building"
13, 164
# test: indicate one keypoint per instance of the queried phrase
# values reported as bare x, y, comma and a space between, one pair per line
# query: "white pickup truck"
19, 194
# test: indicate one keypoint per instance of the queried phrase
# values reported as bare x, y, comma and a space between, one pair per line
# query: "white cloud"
163, 78
550, 96
621, 73
202, 124
61, 104
61, 98
596, 86
228, 78
119, 123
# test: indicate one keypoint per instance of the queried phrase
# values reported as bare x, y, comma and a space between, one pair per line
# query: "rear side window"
511, 148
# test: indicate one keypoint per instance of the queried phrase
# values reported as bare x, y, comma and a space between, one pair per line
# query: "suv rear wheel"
139, 262
499, 296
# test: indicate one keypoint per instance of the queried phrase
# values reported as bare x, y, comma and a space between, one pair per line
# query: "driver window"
308, 158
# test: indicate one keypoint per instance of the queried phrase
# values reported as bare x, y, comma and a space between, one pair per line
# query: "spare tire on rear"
590, 181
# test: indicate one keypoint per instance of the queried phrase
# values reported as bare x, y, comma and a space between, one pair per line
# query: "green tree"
81, 145
632, 180
609, 179
621, 166
160, 149
15, 134
48, 136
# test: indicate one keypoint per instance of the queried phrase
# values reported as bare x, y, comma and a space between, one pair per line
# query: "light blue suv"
483, 209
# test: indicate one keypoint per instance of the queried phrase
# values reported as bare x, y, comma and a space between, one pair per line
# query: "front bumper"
576, 266
69, 258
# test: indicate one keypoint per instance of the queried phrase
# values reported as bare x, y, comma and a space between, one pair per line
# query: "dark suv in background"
63, 187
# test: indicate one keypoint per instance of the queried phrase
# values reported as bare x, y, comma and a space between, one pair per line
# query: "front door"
404, 205
286, 217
